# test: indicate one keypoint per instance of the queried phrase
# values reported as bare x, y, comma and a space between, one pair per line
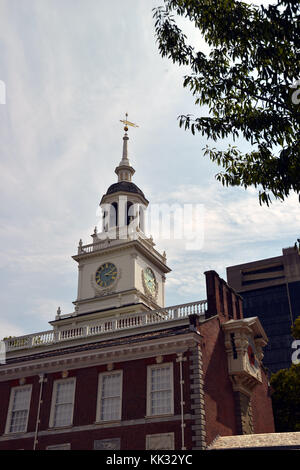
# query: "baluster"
30, 342
85, 331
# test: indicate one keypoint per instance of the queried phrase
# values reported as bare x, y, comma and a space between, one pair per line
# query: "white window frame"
149, 375
99, 395
10, 409
54, 393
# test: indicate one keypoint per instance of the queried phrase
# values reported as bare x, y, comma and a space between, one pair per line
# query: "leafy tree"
286, 397
249, 82
296, 329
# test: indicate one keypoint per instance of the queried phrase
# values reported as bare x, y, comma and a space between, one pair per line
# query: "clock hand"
111, 270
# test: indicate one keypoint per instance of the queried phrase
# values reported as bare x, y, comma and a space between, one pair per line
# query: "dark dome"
125, 186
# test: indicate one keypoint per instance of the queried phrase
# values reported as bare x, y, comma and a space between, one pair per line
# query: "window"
160, 389
59, 447
109, 396
108, 444
160, 441
62, 403
18, 410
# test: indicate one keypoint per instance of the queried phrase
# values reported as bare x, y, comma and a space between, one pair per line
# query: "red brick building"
124, 372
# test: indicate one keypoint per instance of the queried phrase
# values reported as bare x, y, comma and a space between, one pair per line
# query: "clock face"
106, 275
150, 281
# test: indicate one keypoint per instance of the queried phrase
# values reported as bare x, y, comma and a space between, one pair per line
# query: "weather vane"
127, 123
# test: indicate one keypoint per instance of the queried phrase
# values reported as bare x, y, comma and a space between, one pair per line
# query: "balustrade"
105, 325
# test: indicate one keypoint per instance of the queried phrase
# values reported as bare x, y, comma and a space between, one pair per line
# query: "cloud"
72, 69
232, 215
8, 328
236, 230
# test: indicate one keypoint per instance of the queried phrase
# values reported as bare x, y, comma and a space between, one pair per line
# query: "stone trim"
197, 399
280, 440
95, 426
243, 413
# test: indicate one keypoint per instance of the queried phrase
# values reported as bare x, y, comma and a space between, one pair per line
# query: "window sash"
62, 403
160, 390
18, 412
110, 396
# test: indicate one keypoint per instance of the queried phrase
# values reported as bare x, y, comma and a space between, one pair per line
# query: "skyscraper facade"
271, 290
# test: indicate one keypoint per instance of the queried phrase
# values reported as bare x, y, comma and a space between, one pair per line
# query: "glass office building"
271, 291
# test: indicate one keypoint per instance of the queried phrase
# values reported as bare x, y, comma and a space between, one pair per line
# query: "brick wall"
222, 300
218, 394
133, 408
261, 402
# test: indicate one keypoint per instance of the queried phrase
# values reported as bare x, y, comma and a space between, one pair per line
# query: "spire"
125, 170
125, 160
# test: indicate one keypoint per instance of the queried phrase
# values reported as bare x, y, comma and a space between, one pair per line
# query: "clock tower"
120, 270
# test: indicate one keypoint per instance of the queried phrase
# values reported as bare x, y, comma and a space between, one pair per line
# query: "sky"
72, 69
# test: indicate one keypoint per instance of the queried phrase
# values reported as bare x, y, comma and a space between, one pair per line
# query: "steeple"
121, 269
124, 203
125, 170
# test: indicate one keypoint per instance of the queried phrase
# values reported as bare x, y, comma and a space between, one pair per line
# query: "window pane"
64, 392
161, 379
18, 421
63, 415
110, 408
111, 385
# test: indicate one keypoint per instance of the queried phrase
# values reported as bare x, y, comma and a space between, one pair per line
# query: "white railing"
113, 237
106, 325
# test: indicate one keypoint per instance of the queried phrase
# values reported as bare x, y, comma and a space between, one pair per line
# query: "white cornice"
153, 254
133, 197
87, 358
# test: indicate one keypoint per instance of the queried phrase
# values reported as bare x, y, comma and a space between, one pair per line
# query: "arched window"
142, 217
113, 220
129, 214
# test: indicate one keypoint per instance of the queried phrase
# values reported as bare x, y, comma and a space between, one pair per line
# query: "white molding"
88, 358
95, 426
155, 257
